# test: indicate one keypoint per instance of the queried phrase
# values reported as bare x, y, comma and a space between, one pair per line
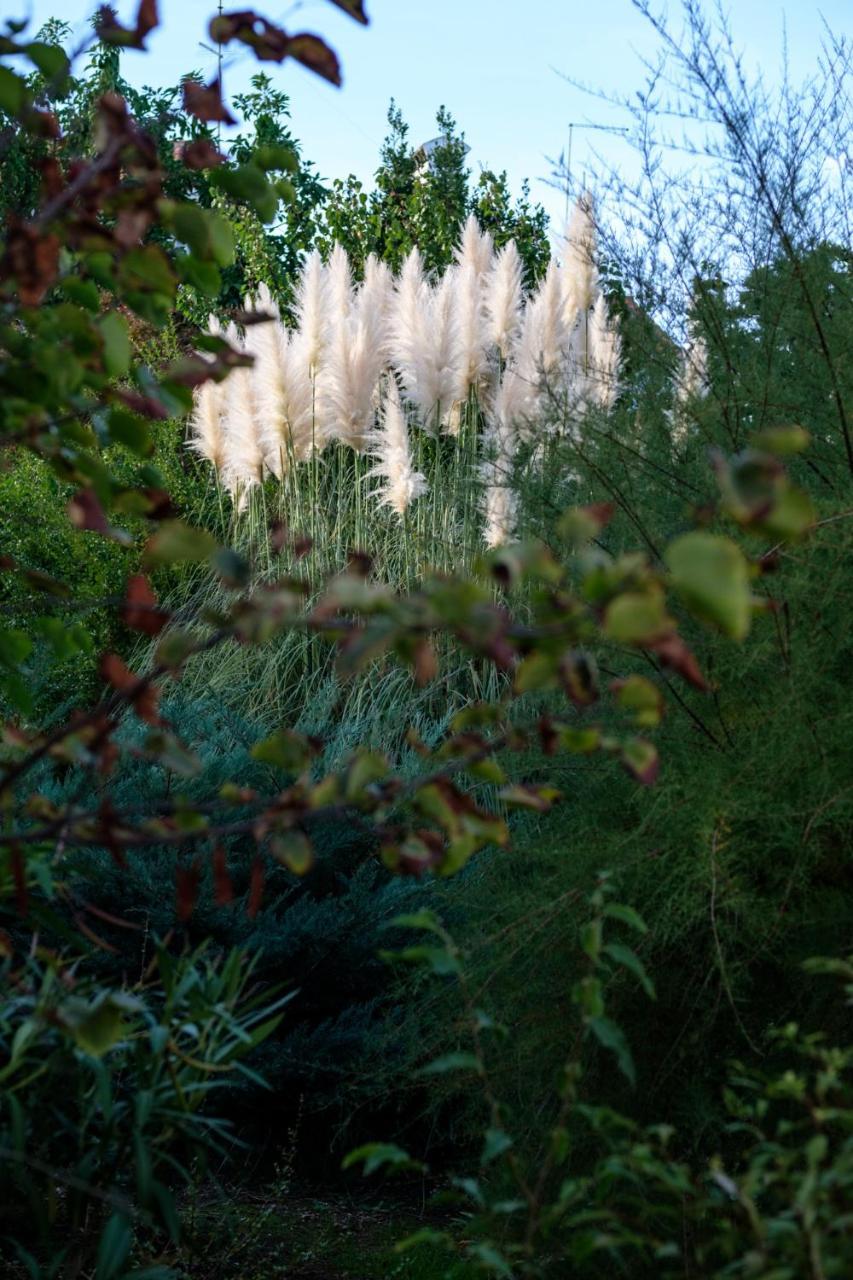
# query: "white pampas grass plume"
376, 292
579, 275
206, 435
390, 446
500, 502
425, 344
503, 299
264, 342
347, 389
441, 379
691, 383
243, 459
337, 287
605, 353
691, 380
514, 406
285, 403
541, 355
475, 248
310, 309
470, 322
408, 329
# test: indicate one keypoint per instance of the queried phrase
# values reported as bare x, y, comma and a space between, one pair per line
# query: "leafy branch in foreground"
539, 623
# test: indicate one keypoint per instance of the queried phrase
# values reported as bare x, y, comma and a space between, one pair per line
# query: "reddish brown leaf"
86, 512
425, 663
198, 154
140, 611
19, 876
548, 736
674, 653
223, 890
43, 123
256, 888
159, 504
93, 937
205, 102
187, 882
31, 259
111, 31
269, 42
114, 670
316, 55
355, 9
578, 677
145, 406
142, 694
52, 180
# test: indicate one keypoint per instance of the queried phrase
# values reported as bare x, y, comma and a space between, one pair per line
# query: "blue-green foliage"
319, 935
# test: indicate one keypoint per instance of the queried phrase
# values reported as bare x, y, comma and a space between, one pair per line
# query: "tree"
424, 200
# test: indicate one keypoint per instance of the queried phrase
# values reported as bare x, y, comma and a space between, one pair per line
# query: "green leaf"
285, 749
458, 1061
539, 799
537, 671
51, 60
791, 515
365, 768
619, 911
378, 1155
15, 646
417, 920
630, 960
711, 575
641, 699
783, 441
130, 430
176, 542
490, 1260
495, 1144
13, 92
221, 238
113, 1247
96, 1026
642, 761
611, 1037
294, 850
635, 617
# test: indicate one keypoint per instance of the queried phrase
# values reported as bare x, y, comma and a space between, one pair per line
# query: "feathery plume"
206, 436
475, 248
503, 299
347, 389
338, 287
691, 383
390, 446
500, 502
243, 459
408, 318
377, 287
605, 353
541, 354
263, 341
310, 310
579, 274
425, 346
470, 327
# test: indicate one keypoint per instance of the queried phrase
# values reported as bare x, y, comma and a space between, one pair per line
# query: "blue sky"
495, 64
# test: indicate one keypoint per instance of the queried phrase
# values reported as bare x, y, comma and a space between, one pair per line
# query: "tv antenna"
583, 124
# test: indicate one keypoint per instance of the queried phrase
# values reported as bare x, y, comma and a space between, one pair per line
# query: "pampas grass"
390, 446
381, 368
